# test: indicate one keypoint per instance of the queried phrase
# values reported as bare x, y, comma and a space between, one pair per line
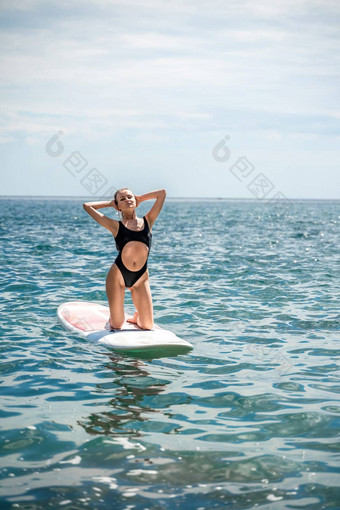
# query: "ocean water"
248, 419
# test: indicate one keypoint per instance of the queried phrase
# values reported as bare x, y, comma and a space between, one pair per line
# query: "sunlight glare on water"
249, 418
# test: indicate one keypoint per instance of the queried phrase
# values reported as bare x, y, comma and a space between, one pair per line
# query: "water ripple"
249, 418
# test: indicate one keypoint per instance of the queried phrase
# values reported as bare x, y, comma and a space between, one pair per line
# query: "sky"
219, 98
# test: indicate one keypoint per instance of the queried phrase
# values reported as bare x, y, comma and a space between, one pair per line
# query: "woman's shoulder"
146, 220
113, 226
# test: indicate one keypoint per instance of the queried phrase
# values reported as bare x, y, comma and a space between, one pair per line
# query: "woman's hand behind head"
137, 198
113, 203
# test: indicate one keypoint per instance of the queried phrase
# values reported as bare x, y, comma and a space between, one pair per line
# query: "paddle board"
90, 320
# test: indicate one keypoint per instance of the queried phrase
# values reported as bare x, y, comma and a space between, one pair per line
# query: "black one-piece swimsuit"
124, 236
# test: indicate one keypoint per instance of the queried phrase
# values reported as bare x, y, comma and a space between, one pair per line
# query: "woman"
133, 242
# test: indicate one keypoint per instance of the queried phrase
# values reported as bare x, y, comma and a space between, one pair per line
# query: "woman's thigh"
115, 291
141, 297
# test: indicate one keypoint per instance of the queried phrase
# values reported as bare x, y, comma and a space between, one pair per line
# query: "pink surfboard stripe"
93, 317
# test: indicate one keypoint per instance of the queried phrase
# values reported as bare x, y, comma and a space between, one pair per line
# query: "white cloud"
156, 69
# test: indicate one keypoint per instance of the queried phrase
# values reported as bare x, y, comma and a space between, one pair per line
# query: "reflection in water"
131, 386
248, 419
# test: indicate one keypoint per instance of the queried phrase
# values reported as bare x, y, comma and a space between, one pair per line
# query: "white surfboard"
90, 320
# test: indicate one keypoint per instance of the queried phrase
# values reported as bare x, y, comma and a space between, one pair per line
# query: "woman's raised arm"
105, 221
159, 195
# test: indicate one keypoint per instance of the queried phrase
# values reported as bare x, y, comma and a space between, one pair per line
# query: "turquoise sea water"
248, 419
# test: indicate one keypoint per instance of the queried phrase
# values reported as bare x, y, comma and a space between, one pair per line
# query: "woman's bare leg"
115, 291
141, 297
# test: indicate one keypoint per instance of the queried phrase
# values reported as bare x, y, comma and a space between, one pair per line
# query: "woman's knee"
145, 323
116, 323
117, 315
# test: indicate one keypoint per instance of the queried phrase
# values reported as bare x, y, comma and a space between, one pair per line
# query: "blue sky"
144, 91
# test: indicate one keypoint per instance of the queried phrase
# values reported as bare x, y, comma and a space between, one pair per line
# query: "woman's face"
126, 200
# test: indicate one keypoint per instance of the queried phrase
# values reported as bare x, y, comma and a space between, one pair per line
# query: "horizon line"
84, 197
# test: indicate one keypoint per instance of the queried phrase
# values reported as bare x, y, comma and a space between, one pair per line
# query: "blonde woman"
133, 241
